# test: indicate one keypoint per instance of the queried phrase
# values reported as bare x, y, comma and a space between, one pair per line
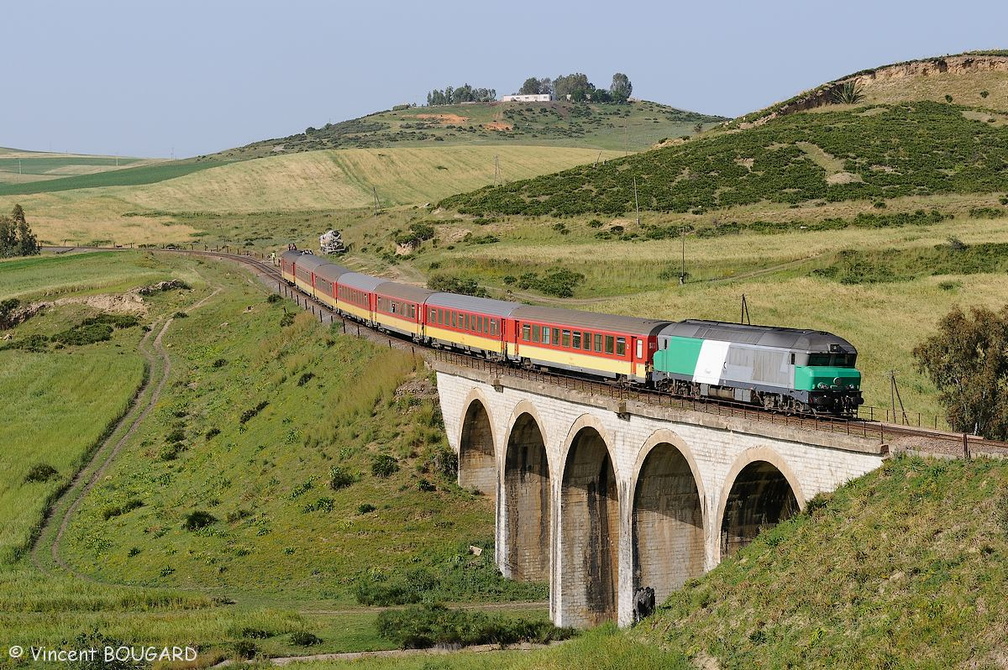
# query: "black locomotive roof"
809, 341
588, 320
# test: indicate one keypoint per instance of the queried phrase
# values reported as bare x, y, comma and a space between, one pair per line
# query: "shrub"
303, 638
287, 319
424, 626
249, 414
176, 435
220, 362
948, 98
340, 478
212, 433
40, 472
384, 466
112, 511
366, 508
197, 520
305, 378
245, 649
274, 298
180, 315
426, 486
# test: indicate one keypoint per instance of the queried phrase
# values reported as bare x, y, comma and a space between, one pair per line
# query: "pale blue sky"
189, 77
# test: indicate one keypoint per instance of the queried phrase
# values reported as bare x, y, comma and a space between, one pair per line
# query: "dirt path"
158, 367
396, 653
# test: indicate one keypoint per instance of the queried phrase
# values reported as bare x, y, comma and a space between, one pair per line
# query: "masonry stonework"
603, 496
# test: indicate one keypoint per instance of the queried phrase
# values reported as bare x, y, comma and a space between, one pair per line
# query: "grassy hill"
876, 152
270, 425
628, 127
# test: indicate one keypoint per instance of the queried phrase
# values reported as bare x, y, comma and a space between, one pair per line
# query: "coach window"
621, 346
598, 342
640, 348
587, 341
609, 339
556, 336
576, 339
526, 332
536, 332
566, 338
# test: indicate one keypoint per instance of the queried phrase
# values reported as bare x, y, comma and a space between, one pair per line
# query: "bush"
340, 478
212, 433
245, 649
274, 298
197, 520
420, 627
249, 414
303, 638
366, 508
426, 486
384, 466
40, 472
112, 511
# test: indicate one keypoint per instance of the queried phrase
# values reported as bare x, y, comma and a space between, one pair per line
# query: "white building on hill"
534, 97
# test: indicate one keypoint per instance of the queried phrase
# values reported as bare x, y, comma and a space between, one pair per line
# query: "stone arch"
477, 464
589, 527
526, 499
668, 515
759, 492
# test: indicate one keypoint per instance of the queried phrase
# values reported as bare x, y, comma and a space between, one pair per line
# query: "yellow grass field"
343, 179
321, 180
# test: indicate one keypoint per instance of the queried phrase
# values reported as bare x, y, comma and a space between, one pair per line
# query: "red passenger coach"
355, 296
326, 278
614, 347
399, 307
478, 325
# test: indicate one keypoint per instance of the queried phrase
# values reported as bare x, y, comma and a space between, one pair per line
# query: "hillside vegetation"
877, 152
628, 127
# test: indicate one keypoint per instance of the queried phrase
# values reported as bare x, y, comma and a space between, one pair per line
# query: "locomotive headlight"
822, 385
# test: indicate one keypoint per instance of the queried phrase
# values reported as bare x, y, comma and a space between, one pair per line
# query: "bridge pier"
601, 495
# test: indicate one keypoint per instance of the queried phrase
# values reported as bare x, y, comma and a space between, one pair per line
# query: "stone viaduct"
600, 494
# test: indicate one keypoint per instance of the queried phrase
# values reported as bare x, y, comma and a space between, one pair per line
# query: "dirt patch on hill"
126, 303
447, 119
497, 125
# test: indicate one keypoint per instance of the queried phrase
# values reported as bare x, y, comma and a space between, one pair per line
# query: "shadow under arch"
760, 492
477, 464
668, 516
589, 527
526, 501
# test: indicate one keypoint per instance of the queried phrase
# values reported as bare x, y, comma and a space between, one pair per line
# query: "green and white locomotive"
786, 369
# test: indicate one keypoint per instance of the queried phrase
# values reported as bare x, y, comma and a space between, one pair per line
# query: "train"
779, 369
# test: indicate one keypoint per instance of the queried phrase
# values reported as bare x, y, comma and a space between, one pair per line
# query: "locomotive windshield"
832, 360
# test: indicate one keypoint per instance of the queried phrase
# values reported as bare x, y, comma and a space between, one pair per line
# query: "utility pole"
744, 318
497, 174
636, 201
377, 204
682, 274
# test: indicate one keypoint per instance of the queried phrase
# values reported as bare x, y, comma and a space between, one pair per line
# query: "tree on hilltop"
534, 86
575, 87
621, 88
16, 237
967, 359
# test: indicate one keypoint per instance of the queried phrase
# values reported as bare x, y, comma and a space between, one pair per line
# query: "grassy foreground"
271, 426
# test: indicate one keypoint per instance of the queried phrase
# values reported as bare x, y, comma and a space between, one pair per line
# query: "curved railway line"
898, 437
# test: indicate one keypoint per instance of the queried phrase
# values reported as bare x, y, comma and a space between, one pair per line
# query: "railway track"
898, 437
